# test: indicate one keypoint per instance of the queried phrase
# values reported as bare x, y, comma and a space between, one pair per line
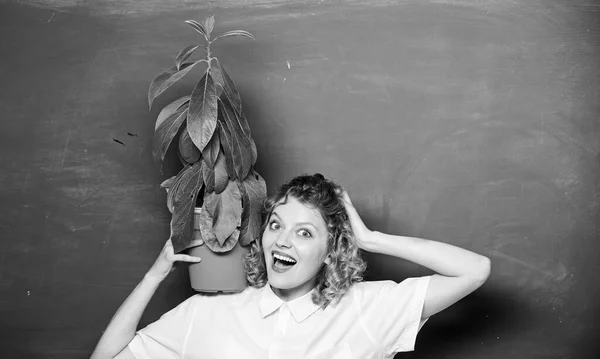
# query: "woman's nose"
283, 240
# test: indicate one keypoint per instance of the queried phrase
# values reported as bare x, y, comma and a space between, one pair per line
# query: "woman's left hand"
362, 234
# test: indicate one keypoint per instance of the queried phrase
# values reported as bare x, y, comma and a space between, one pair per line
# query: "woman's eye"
304, 233
274, 225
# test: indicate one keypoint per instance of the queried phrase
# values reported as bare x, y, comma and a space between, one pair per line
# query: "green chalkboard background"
470, 122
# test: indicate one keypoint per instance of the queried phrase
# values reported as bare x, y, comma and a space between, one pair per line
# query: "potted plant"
215, 198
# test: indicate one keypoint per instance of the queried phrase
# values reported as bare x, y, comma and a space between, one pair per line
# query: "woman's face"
295, 247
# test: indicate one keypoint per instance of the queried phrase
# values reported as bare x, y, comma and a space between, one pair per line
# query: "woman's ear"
327, 260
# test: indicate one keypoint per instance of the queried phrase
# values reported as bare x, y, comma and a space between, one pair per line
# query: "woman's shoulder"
369, 290
366, 287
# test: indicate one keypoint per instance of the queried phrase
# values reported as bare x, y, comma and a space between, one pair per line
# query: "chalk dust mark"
566, 138
114, 49
77, 92
62, 165
51, 17
74, 227
127, 73
526, 265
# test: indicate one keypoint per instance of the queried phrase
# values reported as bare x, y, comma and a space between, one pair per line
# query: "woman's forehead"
291, 209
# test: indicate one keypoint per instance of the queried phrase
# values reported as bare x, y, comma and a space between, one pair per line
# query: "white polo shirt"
373, 320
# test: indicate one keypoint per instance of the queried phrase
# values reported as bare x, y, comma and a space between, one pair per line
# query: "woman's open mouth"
282, 263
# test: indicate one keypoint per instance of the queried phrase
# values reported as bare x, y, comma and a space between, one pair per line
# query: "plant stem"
208, 57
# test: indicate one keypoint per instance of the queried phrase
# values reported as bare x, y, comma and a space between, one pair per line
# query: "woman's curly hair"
346, 265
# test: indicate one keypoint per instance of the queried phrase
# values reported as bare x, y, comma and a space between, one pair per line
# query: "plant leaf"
173, 185
167, 184
220, 171
254, 151
235, 33
236, 145
202, 114
164, 134
169, 109
187, 149
198, 27
186, 187
211, 151
185, 54
167, 78
209, 24
230, 89
246, 128
215, 71
216, 179
254, 192
241, 118
208, 175
205, 224
225, 210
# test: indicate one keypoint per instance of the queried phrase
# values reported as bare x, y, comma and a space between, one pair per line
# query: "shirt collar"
301, 308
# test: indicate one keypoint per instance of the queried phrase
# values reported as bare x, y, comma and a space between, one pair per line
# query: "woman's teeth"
285, 259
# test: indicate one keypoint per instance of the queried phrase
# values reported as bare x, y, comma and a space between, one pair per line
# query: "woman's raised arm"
459, 271
123, 325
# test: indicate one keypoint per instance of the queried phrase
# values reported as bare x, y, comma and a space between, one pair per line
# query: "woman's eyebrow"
306, 224
297, 224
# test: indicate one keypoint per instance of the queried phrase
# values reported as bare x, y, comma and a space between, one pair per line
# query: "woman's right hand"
362, 234
163, 265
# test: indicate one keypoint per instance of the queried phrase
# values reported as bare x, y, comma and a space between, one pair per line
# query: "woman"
306, 297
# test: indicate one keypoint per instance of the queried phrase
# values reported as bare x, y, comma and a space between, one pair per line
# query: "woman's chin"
279, 281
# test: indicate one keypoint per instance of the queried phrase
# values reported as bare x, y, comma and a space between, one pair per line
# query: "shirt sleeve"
167, 337
391, 312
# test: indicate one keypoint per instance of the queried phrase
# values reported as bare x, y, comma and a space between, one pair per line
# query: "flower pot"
217, 272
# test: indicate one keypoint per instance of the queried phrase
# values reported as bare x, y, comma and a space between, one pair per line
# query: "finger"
352, 212
346, 198
186, 258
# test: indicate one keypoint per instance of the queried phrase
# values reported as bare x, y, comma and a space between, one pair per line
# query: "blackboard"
472, 123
